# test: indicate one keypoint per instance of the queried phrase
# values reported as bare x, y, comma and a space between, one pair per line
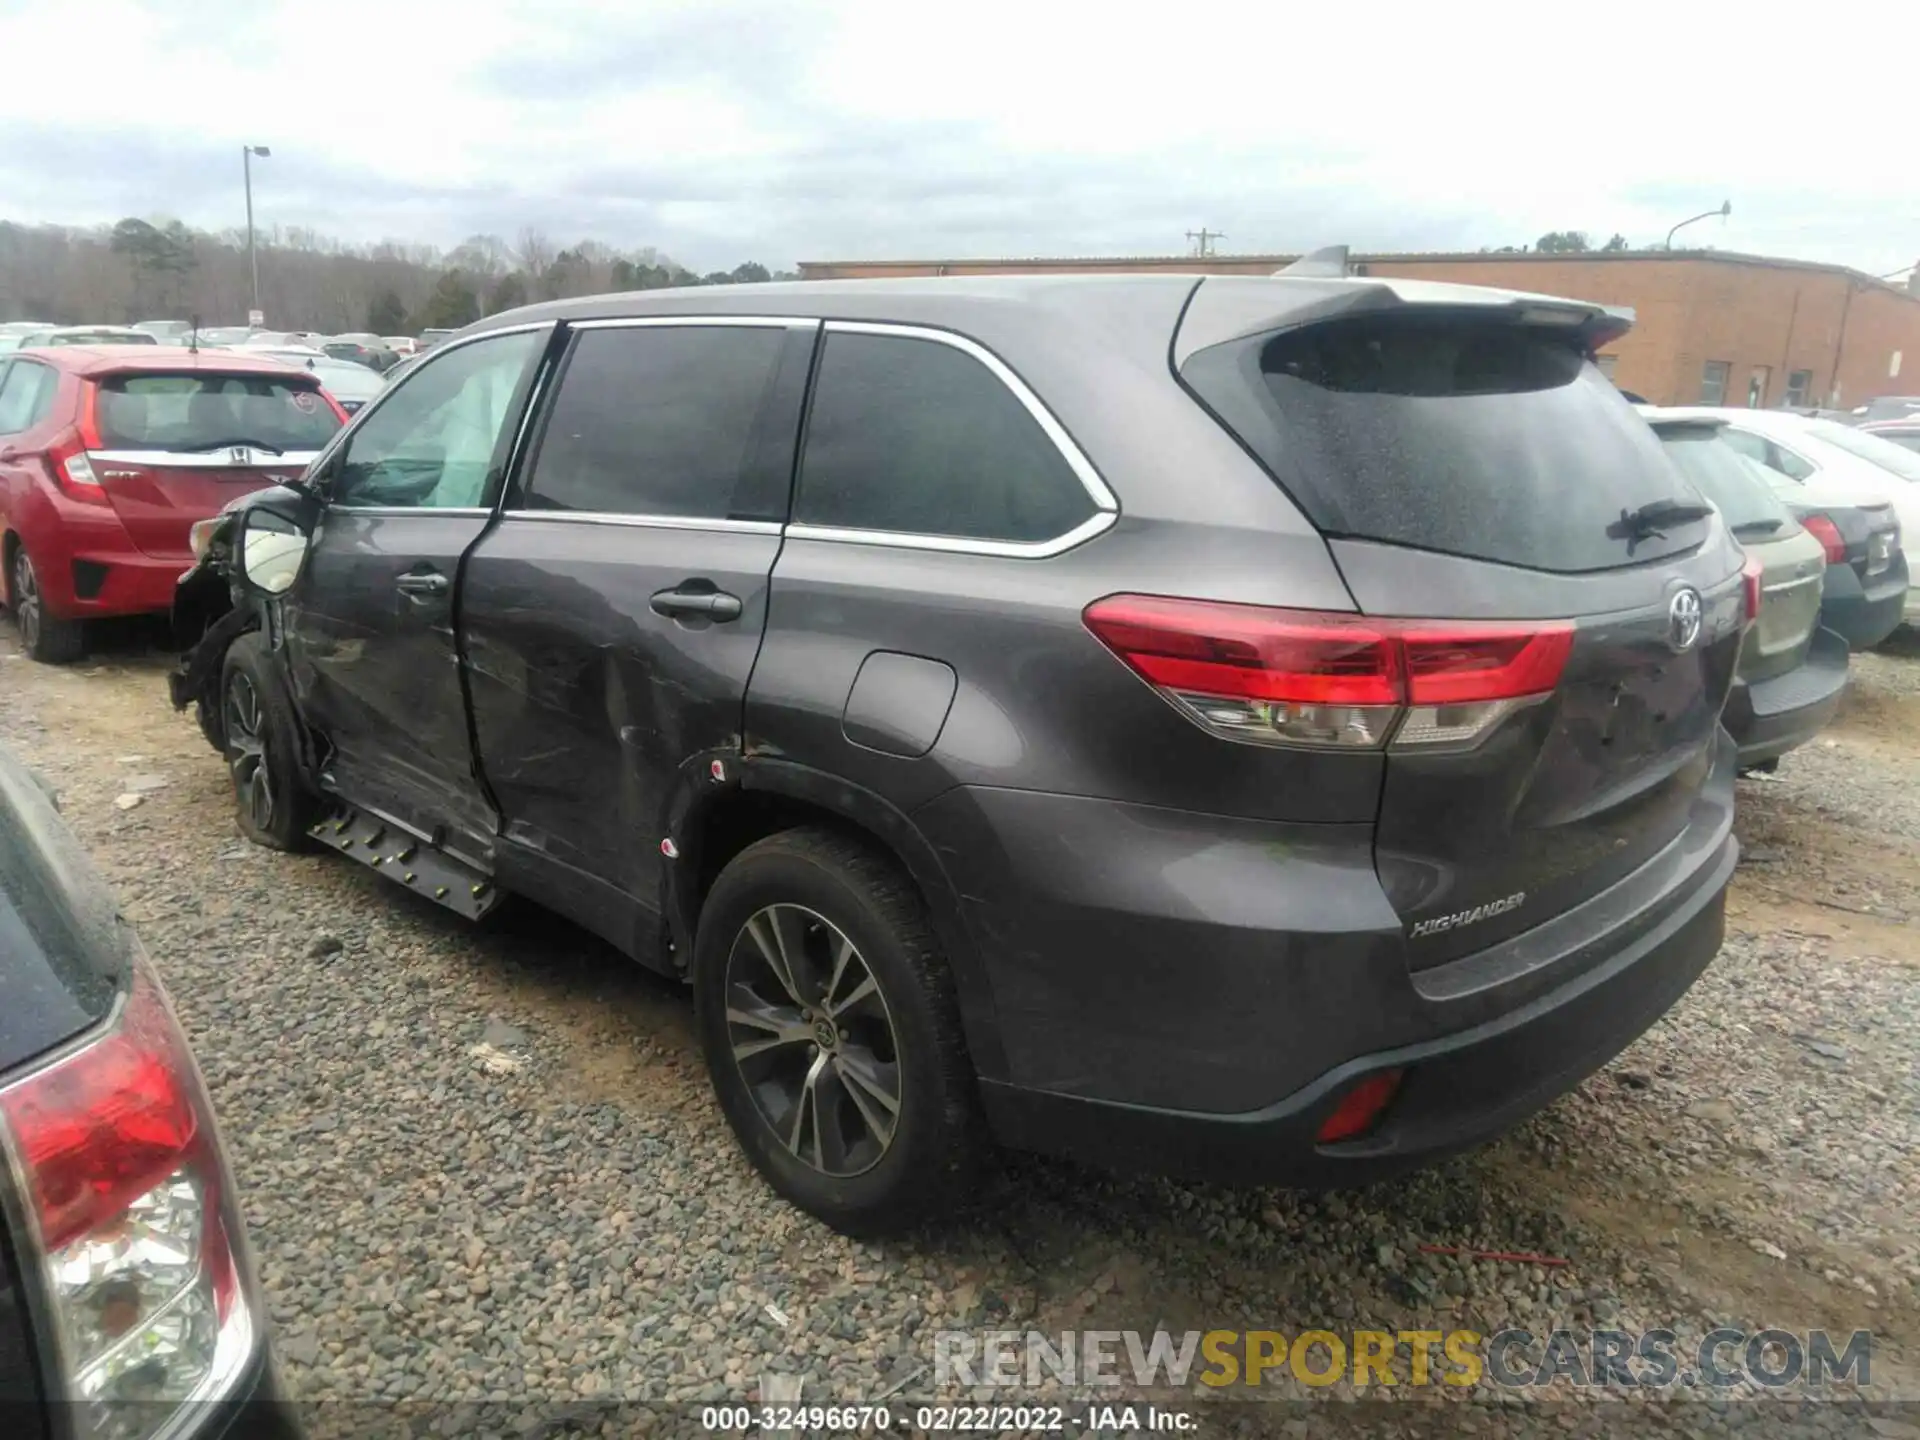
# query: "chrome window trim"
1094, 524
636, 322
1096, 488
648, 522
205, 459
471, 512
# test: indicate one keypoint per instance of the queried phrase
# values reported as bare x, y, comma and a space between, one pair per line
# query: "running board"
407, 860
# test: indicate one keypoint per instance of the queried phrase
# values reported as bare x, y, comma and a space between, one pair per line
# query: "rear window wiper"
1756, 527
1648, 522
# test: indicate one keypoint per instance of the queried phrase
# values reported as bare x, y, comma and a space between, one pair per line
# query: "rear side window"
662, 420
1736, 485
1487, 440
918, 437
26, 395
187, 413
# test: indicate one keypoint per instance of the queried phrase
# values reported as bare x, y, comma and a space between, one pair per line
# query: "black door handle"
713, 604
430, 583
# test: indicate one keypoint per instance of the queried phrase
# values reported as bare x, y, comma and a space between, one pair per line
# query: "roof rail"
1327, 261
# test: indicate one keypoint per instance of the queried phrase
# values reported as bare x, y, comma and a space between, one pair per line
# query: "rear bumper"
1865, 614
1458, 1091
87, 564
1767, 718
1199, 1000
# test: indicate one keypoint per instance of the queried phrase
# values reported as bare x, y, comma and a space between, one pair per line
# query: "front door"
370, 625
613, 616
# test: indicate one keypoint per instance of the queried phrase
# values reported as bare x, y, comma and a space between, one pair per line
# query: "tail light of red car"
68, 464
136, 1221
1297, 677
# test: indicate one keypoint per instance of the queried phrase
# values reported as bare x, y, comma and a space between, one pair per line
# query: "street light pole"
1726, 209
247, 152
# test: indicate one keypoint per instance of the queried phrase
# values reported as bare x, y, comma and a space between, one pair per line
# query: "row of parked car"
1821, 508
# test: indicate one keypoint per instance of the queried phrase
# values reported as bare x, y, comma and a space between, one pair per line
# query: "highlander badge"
1468, 917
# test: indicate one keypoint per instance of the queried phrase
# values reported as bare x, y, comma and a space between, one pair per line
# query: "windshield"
1479, 439
187, 413
1883, 453
1737, 486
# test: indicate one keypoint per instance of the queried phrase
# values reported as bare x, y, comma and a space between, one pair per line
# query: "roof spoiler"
1327, 261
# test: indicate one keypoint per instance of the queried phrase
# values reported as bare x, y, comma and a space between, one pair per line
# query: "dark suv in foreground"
1260, 727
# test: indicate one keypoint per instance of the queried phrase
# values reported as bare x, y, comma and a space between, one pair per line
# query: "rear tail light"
72, 470
1360, 1108
1828, 534
1297, 677
1750, 587
139, 1233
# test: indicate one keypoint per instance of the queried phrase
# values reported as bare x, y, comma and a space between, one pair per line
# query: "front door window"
437, 442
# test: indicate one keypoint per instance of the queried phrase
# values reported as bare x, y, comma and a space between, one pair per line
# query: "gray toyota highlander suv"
1256, 727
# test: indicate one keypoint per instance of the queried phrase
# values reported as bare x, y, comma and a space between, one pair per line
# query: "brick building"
1711, 326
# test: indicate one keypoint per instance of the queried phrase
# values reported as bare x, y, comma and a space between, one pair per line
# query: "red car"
109, 454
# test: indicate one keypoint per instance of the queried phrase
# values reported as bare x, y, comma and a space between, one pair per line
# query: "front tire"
271, 804
44, 637
832, 1033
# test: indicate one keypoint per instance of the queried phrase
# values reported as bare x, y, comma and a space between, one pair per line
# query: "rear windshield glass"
1737, 486
208, 412
1452, 434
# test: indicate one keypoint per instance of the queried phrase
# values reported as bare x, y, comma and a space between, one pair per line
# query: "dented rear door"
611, 619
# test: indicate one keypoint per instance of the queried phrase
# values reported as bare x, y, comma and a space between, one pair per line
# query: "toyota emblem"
1683, 621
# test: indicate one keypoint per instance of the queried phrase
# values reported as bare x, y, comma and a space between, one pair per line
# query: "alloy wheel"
247, 750
813, 1040
26, 601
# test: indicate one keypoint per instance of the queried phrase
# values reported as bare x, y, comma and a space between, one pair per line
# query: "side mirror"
272, 547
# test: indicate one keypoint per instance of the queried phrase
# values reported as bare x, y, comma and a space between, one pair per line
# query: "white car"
1823, 456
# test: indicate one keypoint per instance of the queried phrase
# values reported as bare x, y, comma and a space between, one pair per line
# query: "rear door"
1470, 464
369, 626
612, 617
173, 449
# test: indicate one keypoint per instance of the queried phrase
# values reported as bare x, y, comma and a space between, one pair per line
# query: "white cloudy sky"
724, 131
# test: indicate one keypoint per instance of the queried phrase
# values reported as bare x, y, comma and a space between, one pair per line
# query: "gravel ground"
482, 1165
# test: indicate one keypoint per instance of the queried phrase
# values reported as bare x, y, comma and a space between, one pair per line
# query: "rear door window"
199, 412
1736, 485
1481, 439
26, 395
672, 421
917, 437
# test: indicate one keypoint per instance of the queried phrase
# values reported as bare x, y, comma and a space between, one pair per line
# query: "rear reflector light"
1360, 1108
72, 470
137, 1230
1828, 534
1750, 587
1294, 677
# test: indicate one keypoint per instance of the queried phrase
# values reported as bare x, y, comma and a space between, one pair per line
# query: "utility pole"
247, 152
1203, 239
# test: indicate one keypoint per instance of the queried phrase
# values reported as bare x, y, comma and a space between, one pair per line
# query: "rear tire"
271, 804
44, 637
855, 1097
